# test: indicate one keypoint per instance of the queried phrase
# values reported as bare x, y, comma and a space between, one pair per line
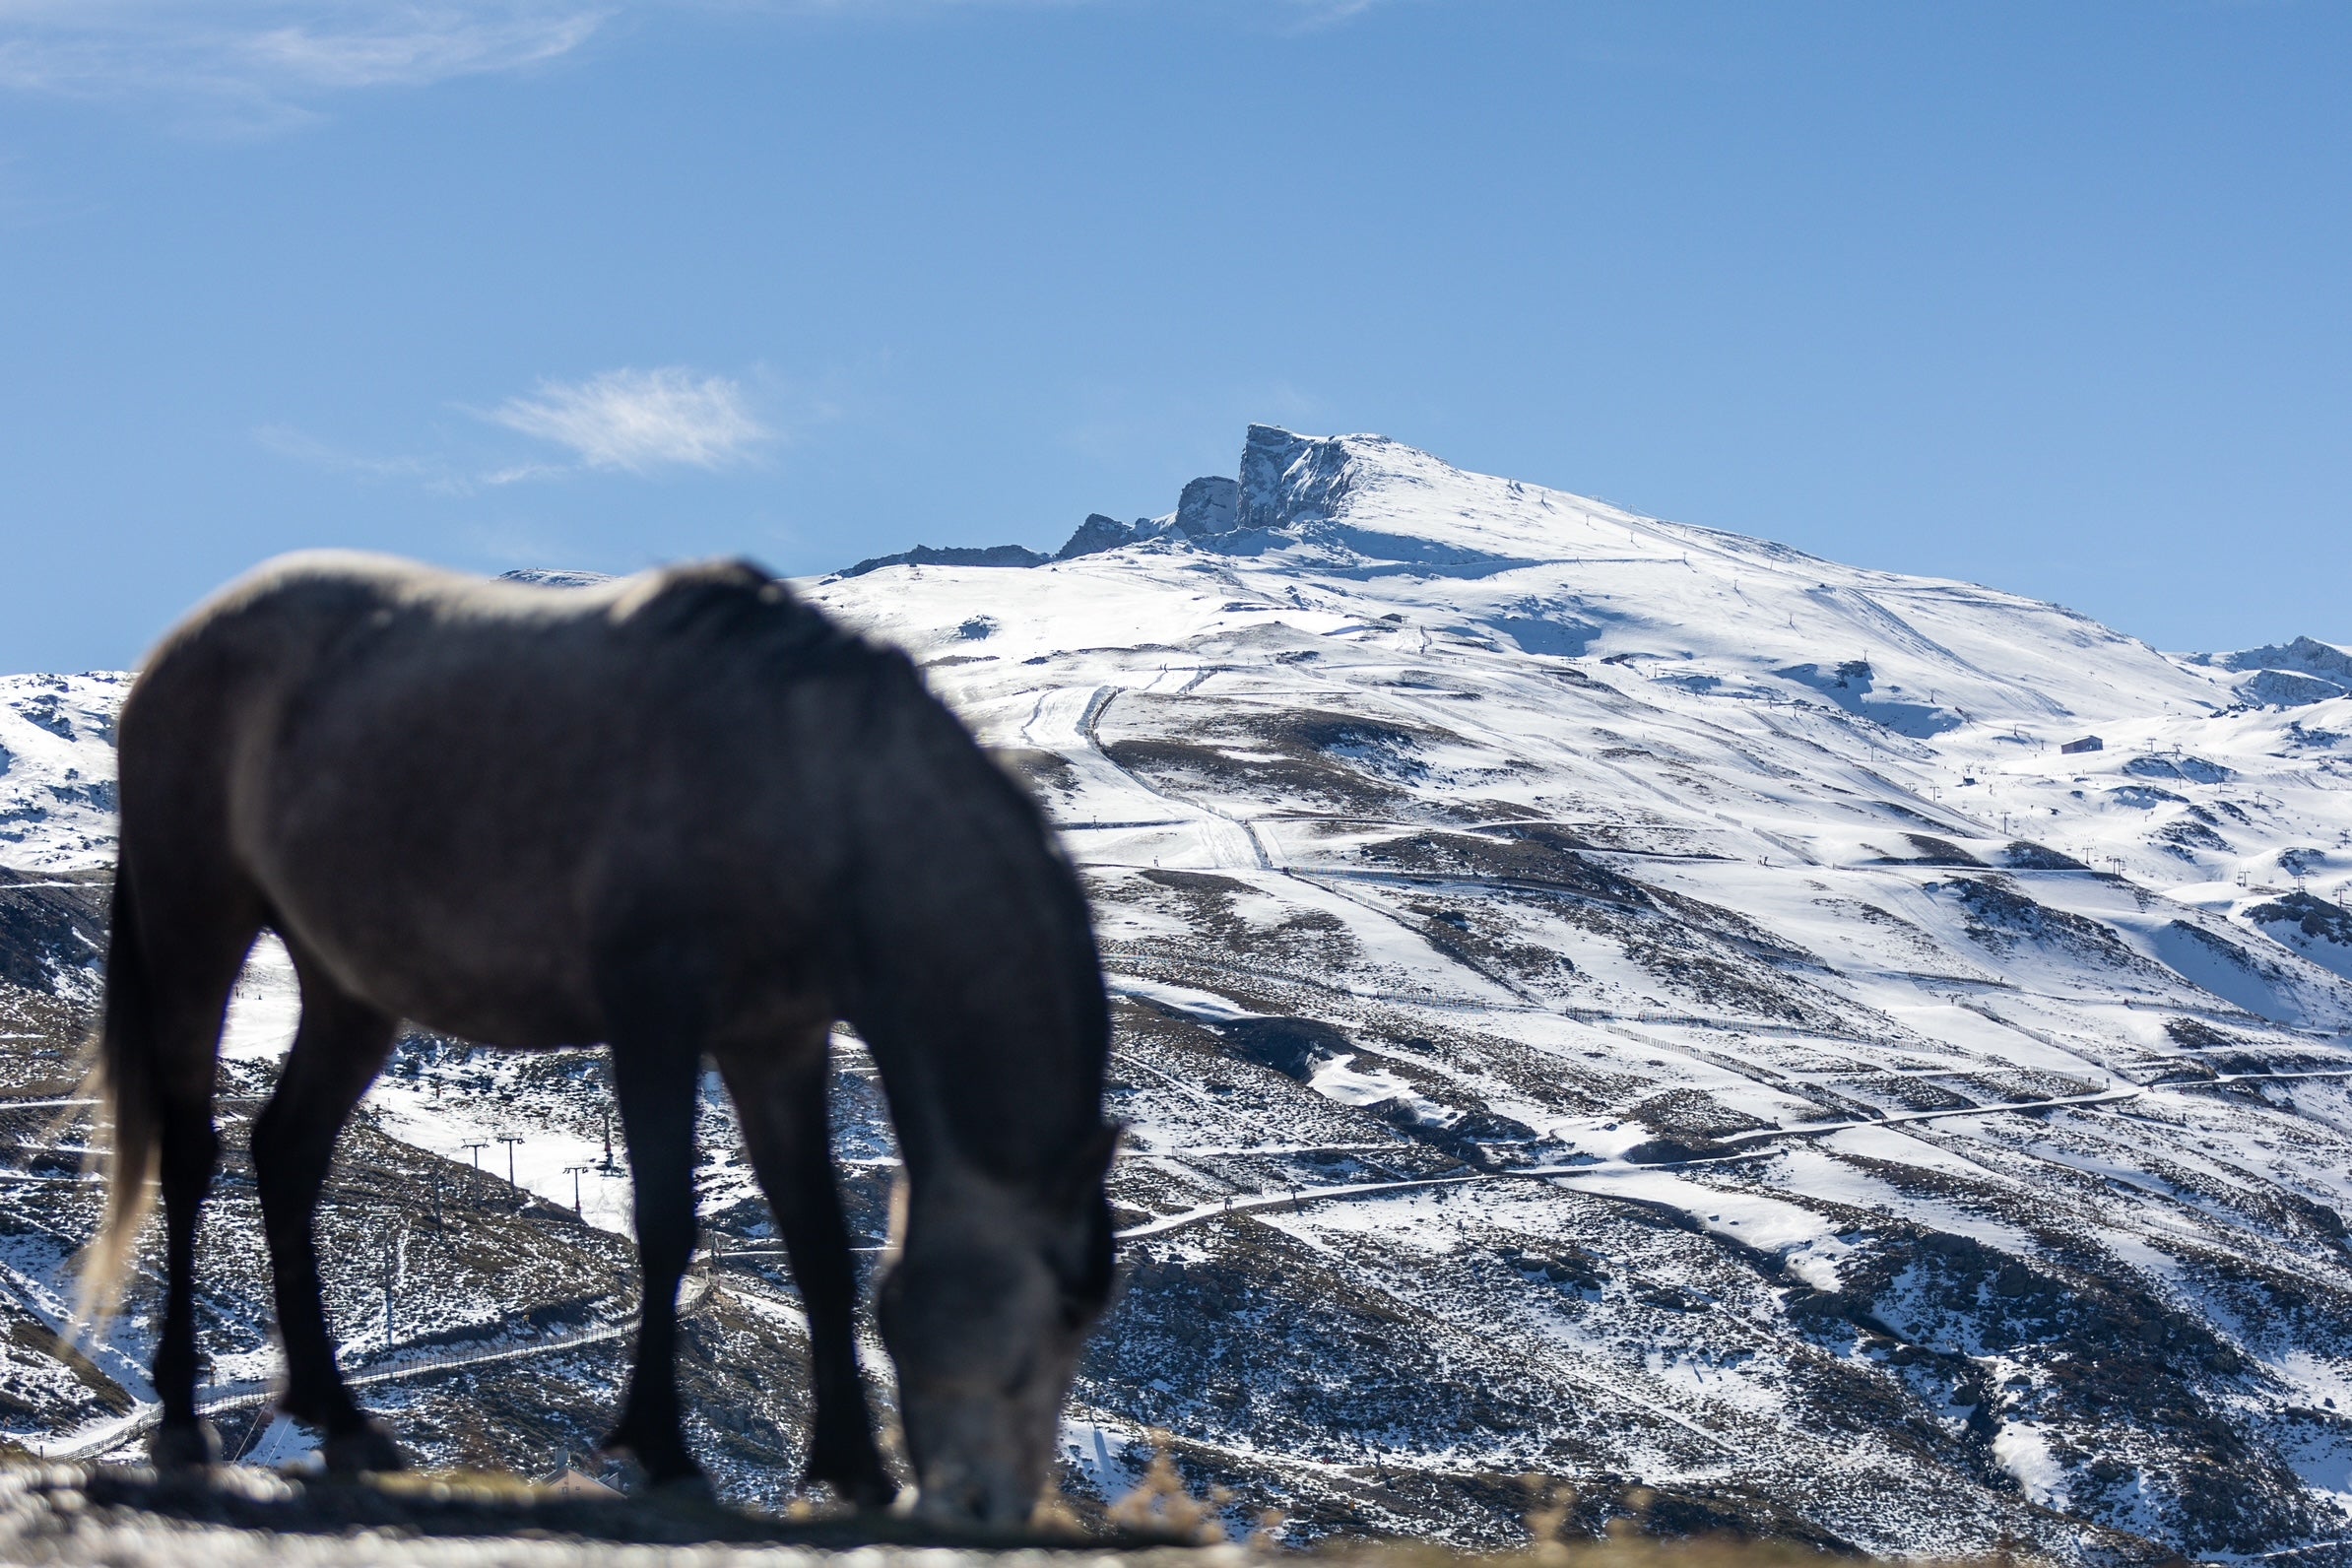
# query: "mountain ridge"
1595, 997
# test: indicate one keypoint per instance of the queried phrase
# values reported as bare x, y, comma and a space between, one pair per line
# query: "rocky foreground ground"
125, 1517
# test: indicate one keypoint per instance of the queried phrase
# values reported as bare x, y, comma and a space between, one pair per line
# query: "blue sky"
2052, 297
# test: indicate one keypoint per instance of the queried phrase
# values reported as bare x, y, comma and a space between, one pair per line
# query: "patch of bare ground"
1047, 773
1333, 760
2114, 1374
2002, 917
1213, 909
52, 928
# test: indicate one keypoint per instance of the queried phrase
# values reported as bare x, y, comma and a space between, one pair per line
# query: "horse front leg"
340, 1046
780, 1101
653, 1079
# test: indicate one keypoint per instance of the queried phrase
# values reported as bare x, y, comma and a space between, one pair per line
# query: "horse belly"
463, 915
494, 970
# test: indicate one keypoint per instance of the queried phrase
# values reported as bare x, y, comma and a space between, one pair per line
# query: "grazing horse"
684, 815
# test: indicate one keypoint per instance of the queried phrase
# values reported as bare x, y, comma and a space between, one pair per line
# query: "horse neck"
972, 963
1012, 1108
992, 1054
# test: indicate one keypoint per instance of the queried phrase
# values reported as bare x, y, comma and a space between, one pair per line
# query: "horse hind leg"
779, 1097
339, 1047
176, 946
191, 1150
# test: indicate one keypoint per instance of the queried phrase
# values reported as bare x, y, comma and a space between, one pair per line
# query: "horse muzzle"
975, 1464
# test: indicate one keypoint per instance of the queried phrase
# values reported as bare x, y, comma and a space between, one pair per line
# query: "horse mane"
732, 603
738, 608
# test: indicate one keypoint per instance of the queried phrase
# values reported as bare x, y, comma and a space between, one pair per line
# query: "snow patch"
2024, 1449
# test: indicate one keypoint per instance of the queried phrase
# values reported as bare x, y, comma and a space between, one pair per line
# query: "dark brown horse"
683, 815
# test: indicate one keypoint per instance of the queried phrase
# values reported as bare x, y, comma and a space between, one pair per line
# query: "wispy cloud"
1308, 14
640, 419
398, 52
642, 424
260, 63
288, 441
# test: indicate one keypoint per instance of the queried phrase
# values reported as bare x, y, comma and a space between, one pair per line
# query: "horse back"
457, 794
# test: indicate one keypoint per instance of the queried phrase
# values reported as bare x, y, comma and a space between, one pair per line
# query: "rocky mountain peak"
1207, 506
1288, 479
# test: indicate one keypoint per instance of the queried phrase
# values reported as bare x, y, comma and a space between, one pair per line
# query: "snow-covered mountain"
1753, 1041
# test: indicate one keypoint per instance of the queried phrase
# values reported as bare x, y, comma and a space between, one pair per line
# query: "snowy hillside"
1761, 1043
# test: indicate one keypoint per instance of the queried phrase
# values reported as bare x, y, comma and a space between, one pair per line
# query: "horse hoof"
184, 1448
365, 1450
867, 1491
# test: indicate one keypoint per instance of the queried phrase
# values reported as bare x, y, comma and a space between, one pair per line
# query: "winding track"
699, 1282
1066, 720
247, 1396
1228, 1207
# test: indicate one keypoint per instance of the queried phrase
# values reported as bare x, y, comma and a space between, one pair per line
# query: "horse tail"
123, 1076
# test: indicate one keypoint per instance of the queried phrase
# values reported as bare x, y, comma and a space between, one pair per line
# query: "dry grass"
81, 1517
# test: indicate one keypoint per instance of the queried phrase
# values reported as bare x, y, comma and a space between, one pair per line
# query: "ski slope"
1606, 998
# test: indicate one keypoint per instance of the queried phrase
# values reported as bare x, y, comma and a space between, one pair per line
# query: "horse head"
985, 1309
